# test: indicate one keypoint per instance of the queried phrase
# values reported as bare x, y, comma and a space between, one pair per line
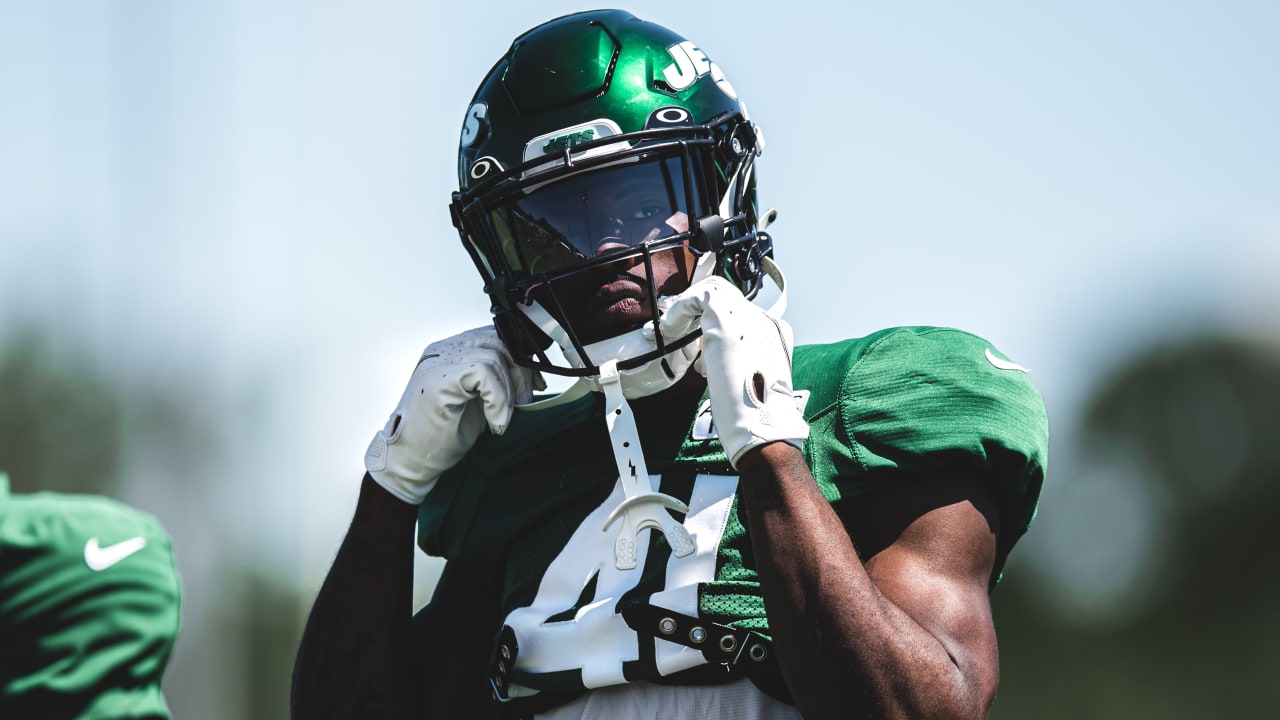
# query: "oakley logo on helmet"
668, 116
474, 124
484, 166
691, 64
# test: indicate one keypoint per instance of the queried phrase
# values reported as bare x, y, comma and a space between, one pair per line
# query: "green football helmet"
601, 144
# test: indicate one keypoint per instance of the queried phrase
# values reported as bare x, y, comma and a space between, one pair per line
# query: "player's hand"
460, 385
746, 358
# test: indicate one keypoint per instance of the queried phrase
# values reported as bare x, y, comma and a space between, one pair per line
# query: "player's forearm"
354, 657
845, 650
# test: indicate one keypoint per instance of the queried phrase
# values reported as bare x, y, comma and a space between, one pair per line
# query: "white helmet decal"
691, 64
474, 123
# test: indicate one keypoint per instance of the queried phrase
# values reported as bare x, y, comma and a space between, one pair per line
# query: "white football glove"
459, 385
746, 358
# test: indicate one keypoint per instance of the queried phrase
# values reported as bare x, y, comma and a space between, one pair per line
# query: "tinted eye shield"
573, 219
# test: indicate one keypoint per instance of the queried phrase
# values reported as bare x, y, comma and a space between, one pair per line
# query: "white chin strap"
653, 376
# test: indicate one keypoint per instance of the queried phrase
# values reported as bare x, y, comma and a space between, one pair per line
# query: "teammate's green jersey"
527, 510
89, 608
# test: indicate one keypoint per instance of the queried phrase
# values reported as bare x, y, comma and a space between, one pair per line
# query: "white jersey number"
596, 640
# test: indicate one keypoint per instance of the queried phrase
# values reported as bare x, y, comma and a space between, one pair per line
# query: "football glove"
746, 358
460, 385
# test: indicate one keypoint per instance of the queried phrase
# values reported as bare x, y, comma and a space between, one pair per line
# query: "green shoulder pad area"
923, 400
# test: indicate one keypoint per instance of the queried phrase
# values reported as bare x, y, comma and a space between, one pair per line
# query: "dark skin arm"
452, 637
908, 634
354, 659
365, 655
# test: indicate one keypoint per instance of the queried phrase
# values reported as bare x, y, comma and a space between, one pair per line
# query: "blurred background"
224, 239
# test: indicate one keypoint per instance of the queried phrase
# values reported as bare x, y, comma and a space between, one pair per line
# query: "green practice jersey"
89, 606
527, 510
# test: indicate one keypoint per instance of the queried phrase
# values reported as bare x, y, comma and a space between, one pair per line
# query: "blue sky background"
244, 205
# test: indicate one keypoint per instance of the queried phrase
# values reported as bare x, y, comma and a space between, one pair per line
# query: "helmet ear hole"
743, 268
745, 265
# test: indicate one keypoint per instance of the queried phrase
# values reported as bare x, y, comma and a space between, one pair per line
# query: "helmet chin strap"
652, 377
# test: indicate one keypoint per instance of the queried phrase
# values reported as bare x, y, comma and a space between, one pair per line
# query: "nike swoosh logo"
100, 558
1004, 364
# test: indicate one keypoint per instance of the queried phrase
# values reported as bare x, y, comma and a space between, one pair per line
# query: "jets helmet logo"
474, 124
691, 64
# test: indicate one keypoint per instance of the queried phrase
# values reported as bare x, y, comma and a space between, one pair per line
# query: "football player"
710, 522
89, 608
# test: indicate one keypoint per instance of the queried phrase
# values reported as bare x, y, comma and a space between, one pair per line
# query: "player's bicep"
930, 548
452, 639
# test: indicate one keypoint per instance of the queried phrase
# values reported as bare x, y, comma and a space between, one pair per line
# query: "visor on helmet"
566, 222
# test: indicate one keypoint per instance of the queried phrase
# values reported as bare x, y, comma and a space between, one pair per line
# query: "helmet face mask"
583, 201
